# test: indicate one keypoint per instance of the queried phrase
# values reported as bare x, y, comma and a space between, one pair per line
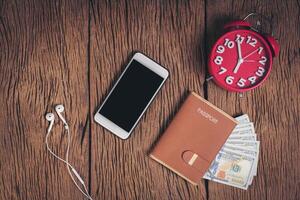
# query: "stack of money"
236, 163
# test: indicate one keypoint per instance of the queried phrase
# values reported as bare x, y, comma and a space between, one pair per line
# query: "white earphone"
59, 109
50, 118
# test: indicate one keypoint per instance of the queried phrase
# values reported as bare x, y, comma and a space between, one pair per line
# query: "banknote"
248, 124
254, 145
237, 161
231, 168
251, 137
250, 152
245, 128
242, 119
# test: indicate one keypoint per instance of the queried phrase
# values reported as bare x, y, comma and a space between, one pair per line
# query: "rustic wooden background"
72, 51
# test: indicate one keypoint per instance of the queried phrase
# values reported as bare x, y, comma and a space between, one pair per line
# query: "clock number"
252, 79
218, 60
228, 43
222, 71
239, 38
251, 41
241, 82
229, 80
248, 40
260, 49
260, 72
220, 49
263, 60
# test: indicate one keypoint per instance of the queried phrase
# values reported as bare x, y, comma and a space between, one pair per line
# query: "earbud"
59, 109
50, 118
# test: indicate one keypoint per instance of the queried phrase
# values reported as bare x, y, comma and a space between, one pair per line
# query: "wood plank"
172, 34
43, 62
274, 107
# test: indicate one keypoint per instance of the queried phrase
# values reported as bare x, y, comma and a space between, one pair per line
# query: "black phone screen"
131, 95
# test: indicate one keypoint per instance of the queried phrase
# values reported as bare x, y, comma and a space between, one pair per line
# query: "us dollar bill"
242, 150
250, 137
242, 119
231, 168
254, 145
244, 125
242, 129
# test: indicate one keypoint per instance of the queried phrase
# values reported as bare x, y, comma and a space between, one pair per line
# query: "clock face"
240, 60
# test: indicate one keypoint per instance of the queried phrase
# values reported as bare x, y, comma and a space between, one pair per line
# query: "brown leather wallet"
193, 138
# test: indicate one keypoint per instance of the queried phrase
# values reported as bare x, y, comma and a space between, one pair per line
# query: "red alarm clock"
241, 59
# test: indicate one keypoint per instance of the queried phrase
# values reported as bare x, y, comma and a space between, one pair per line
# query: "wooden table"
71, 52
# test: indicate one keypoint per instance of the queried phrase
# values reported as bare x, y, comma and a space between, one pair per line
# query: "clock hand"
237, 66
239, 50
240, 58
250, 61
251, 53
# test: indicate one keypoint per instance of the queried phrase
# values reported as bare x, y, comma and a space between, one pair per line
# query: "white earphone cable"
73, 169
69, 166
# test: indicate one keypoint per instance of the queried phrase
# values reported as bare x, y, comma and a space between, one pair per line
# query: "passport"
193, 138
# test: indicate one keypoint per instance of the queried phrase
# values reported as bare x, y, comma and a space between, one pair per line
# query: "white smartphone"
131, 95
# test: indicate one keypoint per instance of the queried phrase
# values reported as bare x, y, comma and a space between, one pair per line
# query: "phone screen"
131, 95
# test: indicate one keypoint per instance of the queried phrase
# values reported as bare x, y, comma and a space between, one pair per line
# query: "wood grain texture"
273, 107
73, 51
171, 33
43, 62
